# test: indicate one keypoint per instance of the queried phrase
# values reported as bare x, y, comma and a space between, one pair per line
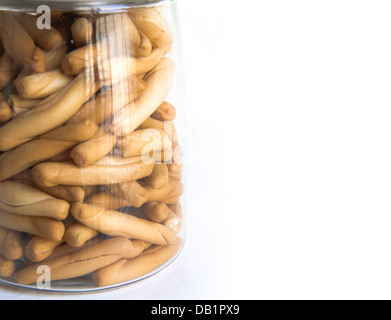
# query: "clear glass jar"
91, 129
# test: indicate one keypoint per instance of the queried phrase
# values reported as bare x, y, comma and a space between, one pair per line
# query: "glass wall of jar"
91, 126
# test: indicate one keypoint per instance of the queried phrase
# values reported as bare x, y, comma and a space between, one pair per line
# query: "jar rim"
98, 5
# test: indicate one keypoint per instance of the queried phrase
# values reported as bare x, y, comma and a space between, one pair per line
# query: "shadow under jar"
91, 120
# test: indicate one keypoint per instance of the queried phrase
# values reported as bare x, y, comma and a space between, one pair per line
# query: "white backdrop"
289, 162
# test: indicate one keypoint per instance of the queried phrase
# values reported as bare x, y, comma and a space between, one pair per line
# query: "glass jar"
91, 129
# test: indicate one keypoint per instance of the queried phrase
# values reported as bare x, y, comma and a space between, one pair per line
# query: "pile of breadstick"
90, 164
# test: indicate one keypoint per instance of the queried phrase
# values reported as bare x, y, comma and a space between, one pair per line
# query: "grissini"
42, 85
155, 211
159, 83
7, 267
176, 208
92, 150
137, 194
55, 173
115, 223
82, 32
78, 263
5, 109
141, 142
145, 48
159, 177
153, 25
11, 244
49, 115
130, 269
45, 38
173, 222
41, 226
121, 33
6, 70
21, 198
17, 102
104, 105
165, 112
38, 248
45, 147
54, 57
19, 44
78, 234
107, 200
65, 248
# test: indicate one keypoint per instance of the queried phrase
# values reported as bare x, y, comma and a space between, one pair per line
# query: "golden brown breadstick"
49, 115
21, 198
138, 194
115, 223
153, 25
54, 173
45, 38
65, 248
5, 109
165, 112
159, 177
107, 200
104, 105
42, 85
54, 57
17, 102
6, 70
145, 47
93, 149
41, 226
159, 82
127, 270
79, 263
141, 142
7, 267
38, 248
82, 32
155, 211
78, 234
45, 147
11, 244
19, 44
173, 222
122, 35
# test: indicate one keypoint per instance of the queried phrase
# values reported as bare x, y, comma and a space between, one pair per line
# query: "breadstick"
7, 267
19, 44
20, 198
159, 82
93, 150
122, 35
65, 248
165, 112
78, 234
153, 25
54, 57
49, 115
82, 32
54, 173
42, 85
176, 208
103, 106
11, 244
45, 38
144, 141
159, 177
17, 102
127, 270
115, 223
79, 263
45, 147
6, 70
155, 211
107, 200
5, 109
38, 248
138, 194
173, 222
145, 47
41, 226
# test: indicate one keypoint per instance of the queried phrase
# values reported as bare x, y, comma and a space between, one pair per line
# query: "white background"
289, 162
